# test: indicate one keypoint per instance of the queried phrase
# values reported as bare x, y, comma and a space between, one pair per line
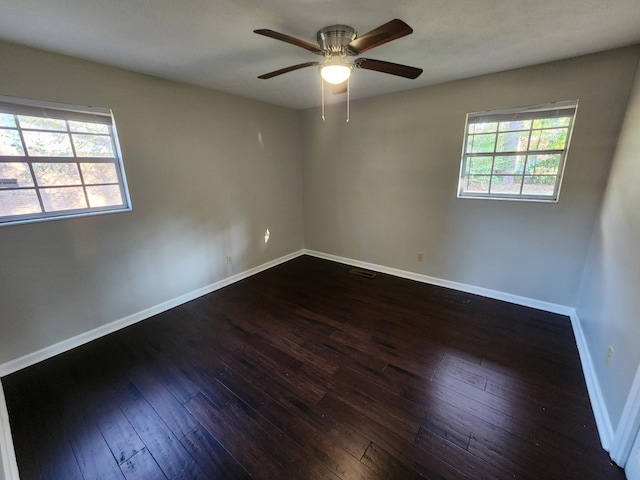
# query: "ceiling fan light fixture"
336, 43
335, 71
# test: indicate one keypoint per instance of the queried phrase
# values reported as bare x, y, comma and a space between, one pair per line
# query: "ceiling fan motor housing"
335, 38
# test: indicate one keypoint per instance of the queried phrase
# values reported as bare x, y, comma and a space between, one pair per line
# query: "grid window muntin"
58, 161
516, 154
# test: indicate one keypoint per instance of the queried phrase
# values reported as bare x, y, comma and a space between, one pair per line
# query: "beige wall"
609, 299
383, 187
208, 173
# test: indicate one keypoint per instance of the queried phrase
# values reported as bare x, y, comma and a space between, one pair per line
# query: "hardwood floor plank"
428, 465
192, 472
517, 425
390, 467
51, 445
464, 460
274, 404
338, 461
91, 391
447, 428
512, 457
302, 426
91, 450
239, 443
210, 455
123, 440
377, 403
177, 418
299, 384
160, 441
142, 466
552, 446
462, 375
22, 421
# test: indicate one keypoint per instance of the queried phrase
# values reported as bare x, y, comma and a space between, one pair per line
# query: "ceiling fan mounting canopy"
335, 38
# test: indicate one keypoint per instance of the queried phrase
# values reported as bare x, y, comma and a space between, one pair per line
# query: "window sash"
556, 110
55, 110
106, 194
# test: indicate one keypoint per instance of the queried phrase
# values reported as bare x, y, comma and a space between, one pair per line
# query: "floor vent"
362, 273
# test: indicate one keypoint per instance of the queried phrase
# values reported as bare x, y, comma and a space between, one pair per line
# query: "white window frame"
552, 110
60, 111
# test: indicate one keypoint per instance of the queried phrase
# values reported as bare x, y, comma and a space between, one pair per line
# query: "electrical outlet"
420, 256
229, 258
609, 355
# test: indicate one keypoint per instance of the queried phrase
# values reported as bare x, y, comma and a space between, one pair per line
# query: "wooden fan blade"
288, 69
339, 88
378, 36
293, 41
388, 67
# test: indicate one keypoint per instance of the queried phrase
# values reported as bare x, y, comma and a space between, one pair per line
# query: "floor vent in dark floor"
362, 273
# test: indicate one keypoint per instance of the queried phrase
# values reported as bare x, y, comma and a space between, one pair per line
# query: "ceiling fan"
339, 42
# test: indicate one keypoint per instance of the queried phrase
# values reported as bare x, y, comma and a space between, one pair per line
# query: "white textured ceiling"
210, 42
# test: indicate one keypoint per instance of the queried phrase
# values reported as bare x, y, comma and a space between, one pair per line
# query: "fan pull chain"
322, 90
322, 87
348, 98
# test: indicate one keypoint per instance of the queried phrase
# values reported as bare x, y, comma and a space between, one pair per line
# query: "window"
516, 154
58, 161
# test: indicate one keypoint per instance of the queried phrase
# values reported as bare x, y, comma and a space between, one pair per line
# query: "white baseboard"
632, 468
628, 428
8, 465
7, 454
598, 405
596, 398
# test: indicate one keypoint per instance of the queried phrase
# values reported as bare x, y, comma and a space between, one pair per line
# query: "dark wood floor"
307, 371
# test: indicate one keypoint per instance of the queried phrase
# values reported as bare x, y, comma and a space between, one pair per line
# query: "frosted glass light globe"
335, 74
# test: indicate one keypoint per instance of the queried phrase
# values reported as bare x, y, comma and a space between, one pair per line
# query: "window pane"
539, 185
104, 195
58, 174
19, 171
84, 127
552, 122
509, 164
46, 144
7, 120
66, 198
19, 202
552, 139
481, 143
10, 143
513, 142
483, 127
476, 165
519, 125
506, 184
92, 145
99, 173
41, 123
477, 184
548, 164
